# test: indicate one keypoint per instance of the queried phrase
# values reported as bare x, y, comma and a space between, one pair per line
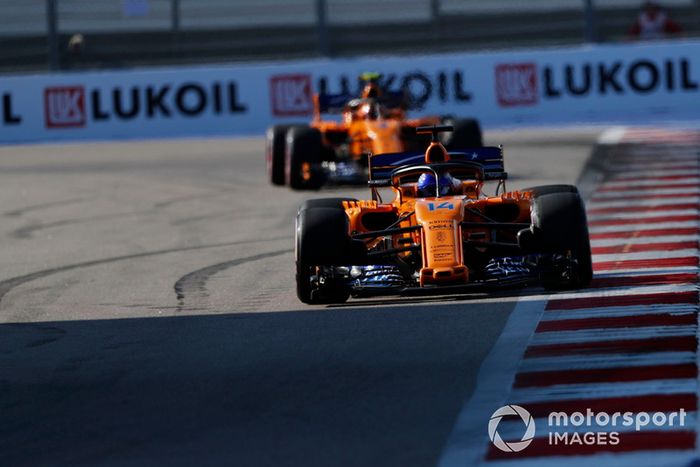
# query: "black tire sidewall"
560, 225
322, 236
321, 239
275, 149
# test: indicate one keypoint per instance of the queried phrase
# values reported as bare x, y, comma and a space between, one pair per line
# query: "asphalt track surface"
148, 316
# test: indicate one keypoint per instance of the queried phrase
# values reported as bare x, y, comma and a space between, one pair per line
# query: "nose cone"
441, 240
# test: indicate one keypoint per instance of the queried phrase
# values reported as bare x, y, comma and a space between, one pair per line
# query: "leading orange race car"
440, 233
328, 151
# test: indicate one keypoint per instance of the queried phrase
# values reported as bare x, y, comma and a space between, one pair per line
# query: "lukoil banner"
588, 84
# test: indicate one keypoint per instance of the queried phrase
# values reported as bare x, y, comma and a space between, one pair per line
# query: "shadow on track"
507, 294
350, 386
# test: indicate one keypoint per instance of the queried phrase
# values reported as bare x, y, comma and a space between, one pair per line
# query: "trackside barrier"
591, 84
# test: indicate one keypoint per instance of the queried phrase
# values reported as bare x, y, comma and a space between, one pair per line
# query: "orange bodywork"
442, 234
368, 129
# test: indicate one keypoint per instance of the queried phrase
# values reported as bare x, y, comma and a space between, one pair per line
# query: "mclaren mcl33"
334, 151
439, 232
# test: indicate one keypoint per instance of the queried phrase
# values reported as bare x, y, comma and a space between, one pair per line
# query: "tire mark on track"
196, 281
27, 231
213, 215
7, 285
184, 199
28, 335
36, 207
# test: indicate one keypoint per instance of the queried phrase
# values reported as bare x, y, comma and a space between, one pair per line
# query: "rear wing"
335, 103
489, 157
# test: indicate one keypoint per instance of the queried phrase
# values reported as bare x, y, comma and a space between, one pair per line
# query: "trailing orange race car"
439, 232
335, 152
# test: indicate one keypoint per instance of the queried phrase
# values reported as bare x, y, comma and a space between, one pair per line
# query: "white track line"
602, 335
643, 215
640, 289
642, 226
659, 148
660, 191
617, 312
630, 171
619, 292
644, 240
645, 255
644, 202
514, 429
612, 136
632, 184
641, 160
609, 360
663, 169
645, 272
565, 392
654, 270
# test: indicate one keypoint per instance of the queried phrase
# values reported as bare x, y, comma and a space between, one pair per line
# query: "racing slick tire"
303, 154
560, 227
549, 189
466, 133
322, 239
275, 149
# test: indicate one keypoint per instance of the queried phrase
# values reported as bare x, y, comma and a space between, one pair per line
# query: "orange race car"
335, 152
439, 232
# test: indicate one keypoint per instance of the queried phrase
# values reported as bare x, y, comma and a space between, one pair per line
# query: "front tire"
561, 229
321, 240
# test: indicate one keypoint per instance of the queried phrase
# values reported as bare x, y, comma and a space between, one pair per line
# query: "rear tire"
304, 152
560, 227
466, 134
275, 148
321, 240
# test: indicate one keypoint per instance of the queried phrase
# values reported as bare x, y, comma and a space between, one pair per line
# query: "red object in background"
291, 95
654, 23
64, 106
516, 84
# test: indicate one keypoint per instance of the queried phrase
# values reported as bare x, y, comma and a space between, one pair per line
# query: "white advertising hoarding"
592, 84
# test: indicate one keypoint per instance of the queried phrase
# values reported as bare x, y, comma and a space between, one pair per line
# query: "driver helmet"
371, 89
426, 185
